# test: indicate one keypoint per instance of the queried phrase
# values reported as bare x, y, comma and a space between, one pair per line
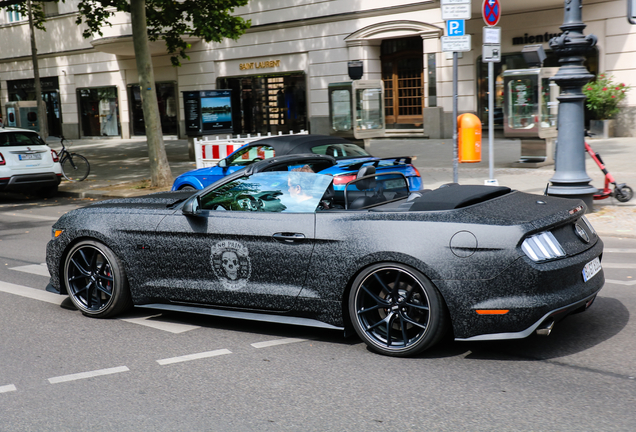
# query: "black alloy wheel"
396, 310
95, 280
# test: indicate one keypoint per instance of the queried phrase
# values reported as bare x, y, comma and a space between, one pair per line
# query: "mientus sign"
536, 39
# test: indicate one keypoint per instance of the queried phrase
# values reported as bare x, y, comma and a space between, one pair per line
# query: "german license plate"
591, 269
34, 156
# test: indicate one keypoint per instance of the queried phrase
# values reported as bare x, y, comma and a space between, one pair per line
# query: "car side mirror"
192, 206
223, 163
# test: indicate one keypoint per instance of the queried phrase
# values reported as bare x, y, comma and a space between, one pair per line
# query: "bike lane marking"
36, 269
275, 342
91, 374
32, 293
7, 388
191, 357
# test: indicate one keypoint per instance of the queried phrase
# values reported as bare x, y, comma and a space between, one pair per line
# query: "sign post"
491, 53
454, 12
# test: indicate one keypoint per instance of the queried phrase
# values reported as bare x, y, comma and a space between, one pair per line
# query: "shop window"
402, 70
166, 99
99, 111
267, 103
513, 61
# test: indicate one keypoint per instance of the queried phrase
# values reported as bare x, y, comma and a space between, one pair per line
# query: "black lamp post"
570, 179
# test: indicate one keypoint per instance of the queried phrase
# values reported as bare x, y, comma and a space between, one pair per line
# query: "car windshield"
292, 191
250, 154
18, 138
344, 150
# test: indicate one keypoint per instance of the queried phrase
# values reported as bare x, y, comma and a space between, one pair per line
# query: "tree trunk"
160, 173
42, 119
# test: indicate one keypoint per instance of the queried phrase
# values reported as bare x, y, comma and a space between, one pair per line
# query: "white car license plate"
591, 269
35, 156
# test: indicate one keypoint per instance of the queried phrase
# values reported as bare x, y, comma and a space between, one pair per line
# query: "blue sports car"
349, 156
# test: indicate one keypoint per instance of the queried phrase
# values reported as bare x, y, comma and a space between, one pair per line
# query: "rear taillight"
542, 247
417, 172
2, 161
343, 179
55, 156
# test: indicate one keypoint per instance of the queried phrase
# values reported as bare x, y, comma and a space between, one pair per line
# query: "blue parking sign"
455, 28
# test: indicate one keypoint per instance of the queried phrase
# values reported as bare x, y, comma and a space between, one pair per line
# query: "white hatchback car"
27, 163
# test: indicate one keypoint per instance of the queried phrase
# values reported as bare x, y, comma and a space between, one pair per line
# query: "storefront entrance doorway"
267, 103
402, 73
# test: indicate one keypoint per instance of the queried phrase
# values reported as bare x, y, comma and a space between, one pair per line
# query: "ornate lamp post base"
570, 179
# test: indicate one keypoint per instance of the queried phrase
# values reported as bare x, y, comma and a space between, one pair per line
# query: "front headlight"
542, 247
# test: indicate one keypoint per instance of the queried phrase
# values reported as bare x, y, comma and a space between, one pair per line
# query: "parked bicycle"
75, 167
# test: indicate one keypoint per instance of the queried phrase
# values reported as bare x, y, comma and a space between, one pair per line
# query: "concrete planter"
602, 128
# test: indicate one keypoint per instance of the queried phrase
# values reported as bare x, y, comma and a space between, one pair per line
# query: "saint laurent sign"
260, 65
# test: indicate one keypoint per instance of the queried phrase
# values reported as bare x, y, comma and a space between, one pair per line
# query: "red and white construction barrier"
209, 152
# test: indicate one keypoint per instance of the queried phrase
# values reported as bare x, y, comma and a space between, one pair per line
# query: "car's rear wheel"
187, 188
396, 310
95, 280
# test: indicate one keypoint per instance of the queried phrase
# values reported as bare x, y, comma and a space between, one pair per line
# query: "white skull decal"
231, 265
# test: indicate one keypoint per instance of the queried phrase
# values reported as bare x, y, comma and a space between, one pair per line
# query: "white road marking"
618, 282
190, 357
29, 216
275, 342
171, 327
7, 388
619, 266
37, 269
91, 374
619, 250
31, 293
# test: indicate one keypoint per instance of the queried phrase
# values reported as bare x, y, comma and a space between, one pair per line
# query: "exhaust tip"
545, 328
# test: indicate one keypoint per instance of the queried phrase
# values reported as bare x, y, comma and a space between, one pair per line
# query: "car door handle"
288, 237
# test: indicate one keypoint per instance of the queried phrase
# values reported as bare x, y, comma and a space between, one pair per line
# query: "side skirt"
252, 316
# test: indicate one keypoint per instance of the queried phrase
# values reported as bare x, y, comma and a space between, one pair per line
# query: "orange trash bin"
469, 138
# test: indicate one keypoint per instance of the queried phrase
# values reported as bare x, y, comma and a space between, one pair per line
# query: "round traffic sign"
491, 11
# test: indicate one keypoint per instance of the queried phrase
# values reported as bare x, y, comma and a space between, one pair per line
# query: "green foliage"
603, 97
172, 20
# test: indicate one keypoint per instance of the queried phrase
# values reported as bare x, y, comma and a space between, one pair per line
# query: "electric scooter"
621, 192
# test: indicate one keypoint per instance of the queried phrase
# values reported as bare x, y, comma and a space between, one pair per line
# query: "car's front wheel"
396, 310
95, 280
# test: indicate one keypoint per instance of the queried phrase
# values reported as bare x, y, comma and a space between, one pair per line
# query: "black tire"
95, 280
75, 167
624, 194
187, 188
396, 310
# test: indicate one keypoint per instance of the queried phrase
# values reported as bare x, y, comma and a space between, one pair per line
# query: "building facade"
280, 69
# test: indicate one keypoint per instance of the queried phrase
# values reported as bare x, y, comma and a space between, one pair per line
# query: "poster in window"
216, 111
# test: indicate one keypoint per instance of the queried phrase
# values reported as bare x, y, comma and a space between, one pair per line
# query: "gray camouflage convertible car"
275, 242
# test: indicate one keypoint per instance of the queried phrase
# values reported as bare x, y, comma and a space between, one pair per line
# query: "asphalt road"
152, 371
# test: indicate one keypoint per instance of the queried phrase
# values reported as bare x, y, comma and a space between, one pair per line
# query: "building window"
14, 16
267, 103
432, 80
402, 69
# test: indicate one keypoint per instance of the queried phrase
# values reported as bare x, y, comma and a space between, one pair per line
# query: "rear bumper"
30, 181
530, 292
